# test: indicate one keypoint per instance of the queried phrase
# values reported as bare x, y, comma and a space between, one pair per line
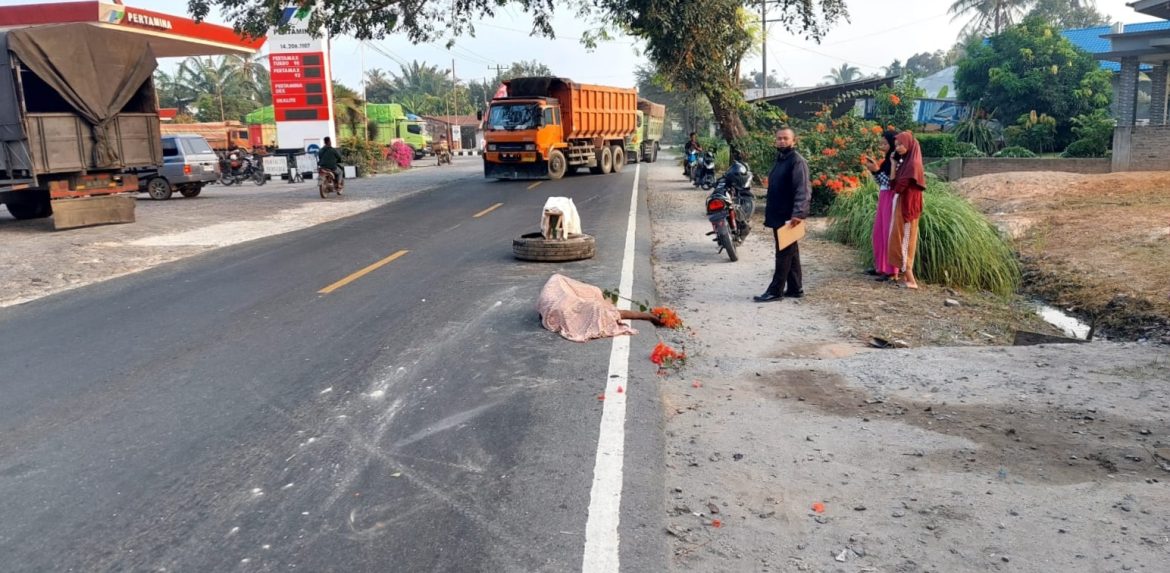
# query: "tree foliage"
988, 16
1069, 14
215, 88
1031, 67
699, 45
844, 74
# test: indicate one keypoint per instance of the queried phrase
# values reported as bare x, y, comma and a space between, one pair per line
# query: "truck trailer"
71, 126
546, 127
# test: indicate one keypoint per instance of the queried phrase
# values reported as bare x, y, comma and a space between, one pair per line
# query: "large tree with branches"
699, 43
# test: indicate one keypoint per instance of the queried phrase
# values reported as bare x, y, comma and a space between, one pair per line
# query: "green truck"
644, 144
387, 122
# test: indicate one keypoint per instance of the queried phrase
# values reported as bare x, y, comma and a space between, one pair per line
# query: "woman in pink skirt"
883, 174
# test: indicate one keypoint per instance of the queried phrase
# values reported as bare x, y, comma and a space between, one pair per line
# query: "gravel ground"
38, 261
947, 459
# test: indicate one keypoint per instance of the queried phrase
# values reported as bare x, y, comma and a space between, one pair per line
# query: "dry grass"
1099, 244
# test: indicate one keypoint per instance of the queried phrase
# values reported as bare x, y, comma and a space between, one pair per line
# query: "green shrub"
1033, 131
759, 152
360, 153
968, 149
957, 245
978, 130
1084, 148
937, 145
1015, 151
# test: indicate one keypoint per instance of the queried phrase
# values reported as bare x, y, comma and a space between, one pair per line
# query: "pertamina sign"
146, 20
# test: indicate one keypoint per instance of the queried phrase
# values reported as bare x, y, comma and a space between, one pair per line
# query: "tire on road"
159, 189
604, 161
557, 166
619, 158
654, 154
30, 209
534, 247
190, 190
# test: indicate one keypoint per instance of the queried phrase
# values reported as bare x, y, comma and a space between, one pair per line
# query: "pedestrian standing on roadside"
883, 175
789, 195
908, 185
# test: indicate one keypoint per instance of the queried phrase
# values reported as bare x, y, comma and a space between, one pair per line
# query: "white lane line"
605, 498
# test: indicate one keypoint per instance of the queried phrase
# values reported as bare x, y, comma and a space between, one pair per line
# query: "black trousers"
787, 270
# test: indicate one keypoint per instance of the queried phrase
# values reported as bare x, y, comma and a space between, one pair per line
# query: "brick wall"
1150, 149
975, 166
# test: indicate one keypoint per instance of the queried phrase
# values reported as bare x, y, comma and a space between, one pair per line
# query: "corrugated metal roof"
1090, 40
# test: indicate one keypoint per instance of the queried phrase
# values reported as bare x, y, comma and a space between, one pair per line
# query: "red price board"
298, 86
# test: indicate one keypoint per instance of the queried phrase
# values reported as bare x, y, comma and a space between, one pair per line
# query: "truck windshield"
512, 116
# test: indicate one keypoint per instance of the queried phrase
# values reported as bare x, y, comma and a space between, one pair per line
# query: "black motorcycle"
729, 208
237, 167
703, 174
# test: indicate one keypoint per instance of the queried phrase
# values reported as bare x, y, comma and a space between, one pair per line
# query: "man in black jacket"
789, 194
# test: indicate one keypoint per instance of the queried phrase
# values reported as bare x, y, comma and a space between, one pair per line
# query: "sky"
878, 33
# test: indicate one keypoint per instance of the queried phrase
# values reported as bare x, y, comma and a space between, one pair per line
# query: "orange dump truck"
219, 135
547, 127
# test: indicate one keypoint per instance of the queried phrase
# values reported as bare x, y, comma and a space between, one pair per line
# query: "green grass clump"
957, 245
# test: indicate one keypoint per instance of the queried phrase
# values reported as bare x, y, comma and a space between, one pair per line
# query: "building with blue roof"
1093, 40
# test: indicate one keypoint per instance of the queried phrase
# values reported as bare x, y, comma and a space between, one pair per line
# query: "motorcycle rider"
329, 158
443, 151
692, 145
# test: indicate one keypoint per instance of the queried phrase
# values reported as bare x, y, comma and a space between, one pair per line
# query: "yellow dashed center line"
362, 273
486, 211
534, 185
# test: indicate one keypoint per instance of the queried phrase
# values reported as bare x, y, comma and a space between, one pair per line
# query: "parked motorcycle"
730, 207
704, 172
238, 167
327, 183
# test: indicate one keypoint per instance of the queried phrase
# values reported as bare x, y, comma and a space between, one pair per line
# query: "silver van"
189, 163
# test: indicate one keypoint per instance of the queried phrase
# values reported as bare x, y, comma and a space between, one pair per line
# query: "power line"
822, 54
885, 31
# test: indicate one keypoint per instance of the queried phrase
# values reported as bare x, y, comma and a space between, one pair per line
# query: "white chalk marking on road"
605, 498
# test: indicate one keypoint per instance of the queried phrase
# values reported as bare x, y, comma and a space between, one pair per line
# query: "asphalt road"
221, 414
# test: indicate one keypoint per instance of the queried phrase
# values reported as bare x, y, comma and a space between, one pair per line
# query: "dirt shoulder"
1099, 244
955, 458
38, 261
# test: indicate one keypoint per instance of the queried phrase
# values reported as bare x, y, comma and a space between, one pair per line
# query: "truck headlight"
529, 147
491, 147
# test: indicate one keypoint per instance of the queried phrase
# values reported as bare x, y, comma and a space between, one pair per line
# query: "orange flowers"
839, 141
669, 318
877, 130
821, 128
829, 152
894, 99
665, 356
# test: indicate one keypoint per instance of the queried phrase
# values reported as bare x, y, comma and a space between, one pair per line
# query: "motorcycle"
689, 164
327, 183
730, 207
442, 155
238, 167
704, 172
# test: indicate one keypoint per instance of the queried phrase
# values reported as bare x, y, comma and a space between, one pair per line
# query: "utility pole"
764, 39
365, 99
455, 105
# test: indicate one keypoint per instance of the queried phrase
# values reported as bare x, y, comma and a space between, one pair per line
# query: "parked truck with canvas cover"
546, 127
70, 126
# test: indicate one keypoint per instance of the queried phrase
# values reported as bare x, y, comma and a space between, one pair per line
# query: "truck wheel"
556, 164
654, 154
159, 189
604, 161
534, 247
191, 190
30, 210
619, 158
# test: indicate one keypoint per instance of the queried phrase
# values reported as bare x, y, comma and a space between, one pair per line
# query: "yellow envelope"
786, 235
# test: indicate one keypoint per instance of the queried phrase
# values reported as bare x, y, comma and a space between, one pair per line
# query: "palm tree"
418, 78
988, 16
349, 107
843, 75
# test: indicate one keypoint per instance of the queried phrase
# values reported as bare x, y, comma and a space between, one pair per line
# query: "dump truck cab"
523, 131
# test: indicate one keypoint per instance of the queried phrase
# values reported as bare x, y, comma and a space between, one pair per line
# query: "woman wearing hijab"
883, 173
908, 185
